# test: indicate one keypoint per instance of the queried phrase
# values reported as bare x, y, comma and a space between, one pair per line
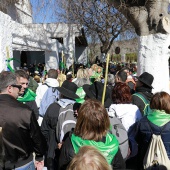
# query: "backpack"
120, 132
147, 108
66, 122
156, 156
50, 96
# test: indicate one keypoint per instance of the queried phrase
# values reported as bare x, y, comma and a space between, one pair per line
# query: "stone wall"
5, 40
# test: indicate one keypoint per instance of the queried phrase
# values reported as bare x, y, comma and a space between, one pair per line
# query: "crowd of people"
57, 121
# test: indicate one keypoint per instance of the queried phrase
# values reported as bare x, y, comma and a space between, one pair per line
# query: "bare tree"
97, 17
147, 16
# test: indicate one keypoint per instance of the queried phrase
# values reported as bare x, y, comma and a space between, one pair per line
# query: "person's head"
9, 84
95, 91
52, 73
99, 69
37, 78
121, 76
94, 67
145, 80
89, 158
126, 70
23, 80
121, 93
68, 90
110, 79
93, 121
161, 101
69, 77
81, 73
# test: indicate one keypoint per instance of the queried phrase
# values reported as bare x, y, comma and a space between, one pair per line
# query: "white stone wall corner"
153, 57
6, 29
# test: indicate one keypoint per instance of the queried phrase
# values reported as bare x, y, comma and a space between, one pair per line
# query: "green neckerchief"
108, 149
81, 93
158, 117
28, 96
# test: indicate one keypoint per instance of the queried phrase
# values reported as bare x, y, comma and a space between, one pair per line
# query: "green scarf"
81, 93
108, 149
158, 117
29, 95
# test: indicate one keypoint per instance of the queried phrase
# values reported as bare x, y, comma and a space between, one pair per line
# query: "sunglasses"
17, 86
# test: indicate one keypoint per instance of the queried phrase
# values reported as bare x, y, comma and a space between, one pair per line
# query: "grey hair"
110, 79
7, 78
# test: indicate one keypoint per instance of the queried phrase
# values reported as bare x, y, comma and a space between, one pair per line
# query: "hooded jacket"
127, 113
157, 122
49, 82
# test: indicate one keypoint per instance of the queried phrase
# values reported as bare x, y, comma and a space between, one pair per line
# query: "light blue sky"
44, 11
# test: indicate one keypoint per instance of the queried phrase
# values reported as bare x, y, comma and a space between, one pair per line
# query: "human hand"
39, 165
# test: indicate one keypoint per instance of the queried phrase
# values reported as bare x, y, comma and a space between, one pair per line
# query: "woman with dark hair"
157, 122
122, 106
92, 130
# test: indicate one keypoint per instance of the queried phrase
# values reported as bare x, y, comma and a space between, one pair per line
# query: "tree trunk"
153, 57
151, 21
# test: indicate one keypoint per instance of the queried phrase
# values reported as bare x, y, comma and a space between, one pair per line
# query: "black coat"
144, 134
21, 133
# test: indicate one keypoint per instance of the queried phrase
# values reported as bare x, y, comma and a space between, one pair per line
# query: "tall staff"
62, 61
105, 81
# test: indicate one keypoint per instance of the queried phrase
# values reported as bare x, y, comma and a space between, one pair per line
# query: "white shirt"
127, 113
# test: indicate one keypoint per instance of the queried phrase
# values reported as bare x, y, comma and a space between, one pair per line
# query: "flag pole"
105, 80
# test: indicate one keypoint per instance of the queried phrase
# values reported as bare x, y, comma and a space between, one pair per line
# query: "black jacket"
33, 106
67, 153
144, 134
21, 133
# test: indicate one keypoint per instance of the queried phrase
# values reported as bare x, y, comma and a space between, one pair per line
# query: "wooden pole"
105, 80
62, 60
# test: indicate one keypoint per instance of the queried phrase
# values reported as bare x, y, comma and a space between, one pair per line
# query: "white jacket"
128, 113
42, 89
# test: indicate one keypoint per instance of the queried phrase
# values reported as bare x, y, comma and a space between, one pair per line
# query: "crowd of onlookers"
65, 119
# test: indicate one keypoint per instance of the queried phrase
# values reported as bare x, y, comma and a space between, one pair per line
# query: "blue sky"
44, 11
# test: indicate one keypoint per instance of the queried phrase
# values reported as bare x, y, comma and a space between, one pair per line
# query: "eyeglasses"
17, 86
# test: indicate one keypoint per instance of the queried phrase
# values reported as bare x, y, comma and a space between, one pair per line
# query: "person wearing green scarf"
156, 122
92, 129
26, 95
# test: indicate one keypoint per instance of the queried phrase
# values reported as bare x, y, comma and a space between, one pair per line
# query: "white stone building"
31, 43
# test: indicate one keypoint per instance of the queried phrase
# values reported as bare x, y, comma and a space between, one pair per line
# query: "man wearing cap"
48, 127
144, 88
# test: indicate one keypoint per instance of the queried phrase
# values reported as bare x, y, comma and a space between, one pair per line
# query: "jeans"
28, 166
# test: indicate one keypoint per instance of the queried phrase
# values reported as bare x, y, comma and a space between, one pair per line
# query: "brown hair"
52, 73
37, 79
89, 158
161, 101
121, 94
93, 121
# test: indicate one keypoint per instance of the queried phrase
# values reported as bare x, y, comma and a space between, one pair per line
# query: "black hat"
95, 91
146, 78
68, 89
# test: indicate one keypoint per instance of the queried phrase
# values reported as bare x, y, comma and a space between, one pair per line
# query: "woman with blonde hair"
89, 158
92, 129
81, 78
